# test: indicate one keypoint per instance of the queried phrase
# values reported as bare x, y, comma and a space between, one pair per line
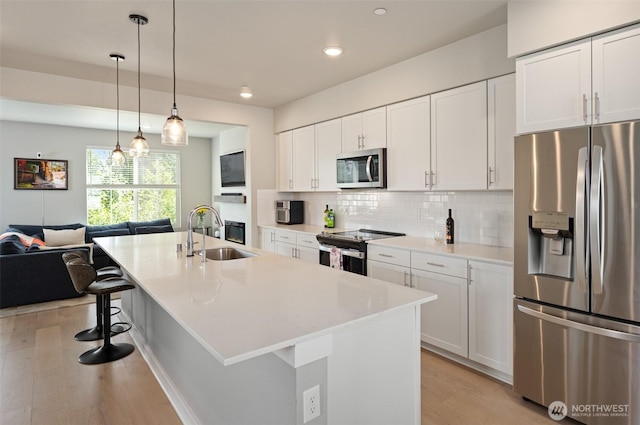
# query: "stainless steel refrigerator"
577, 272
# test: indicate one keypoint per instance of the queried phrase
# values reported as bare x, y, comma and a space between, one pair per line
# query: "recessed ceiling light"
245, 92
380, 11
333, 51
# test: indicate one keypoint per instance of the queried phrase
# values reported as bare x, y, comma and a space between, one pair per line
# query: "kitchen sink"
227, 253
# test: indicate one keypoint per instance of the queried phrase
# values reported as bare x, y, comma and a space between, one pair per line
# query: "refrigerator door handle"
596, 220
610, 333
580, 233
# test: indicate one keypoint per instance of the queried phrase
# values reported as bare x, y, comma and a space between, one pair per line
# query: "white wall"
24, 140
537, 25
466, 61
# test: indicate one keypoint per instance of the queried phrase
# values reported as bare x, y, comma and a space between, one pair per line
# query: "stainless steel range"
348, 250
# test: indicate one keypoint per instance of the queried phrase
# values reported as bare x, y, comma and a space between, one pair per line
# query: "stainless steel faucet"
219, 223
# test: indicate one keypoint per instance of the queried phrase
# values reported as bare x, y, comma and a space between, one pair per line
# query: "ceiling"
274, 47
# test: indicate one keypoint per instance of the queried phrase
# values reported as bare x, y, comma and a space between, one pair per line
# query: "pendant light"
139, 146
118, 158
174, 132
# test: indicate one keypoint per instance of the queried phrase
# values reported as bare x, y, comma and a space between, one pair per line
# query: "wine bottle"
326, 216
449, 228
331, 222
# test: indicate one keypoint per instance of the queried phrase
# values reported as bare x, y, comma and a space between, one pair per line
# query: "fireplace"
234, 231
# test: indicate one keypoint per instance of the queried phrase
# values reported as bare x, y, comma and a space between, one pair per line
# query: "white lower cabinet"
268, 239
303, 246
444, 321
491, 315
307, 248
399, 275
472, 316
389, 264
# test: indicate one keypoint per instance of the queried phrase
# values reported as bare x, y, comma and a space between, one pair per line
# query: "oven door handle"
344, 252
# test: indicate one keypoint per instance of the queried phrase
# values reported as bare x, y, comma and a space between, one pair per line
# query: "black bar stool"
84, 278
97, 332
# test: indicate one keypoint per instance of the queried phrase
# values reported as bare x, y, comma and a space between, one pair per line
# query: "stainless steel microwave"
362, 169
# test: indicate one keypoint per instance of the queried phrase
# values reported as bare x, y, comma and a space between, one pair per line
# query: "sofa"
32, 270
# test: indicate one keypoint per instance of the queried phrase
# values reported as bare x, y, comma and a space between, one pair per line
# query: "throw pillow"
64, 237
109, 232
143, 230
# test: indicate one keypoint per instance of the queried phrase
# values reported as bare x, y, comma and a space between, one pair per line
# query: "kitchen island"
240, 341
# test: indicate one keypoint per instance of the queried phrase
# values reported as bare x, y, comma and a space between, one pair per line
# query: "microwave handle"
369, 159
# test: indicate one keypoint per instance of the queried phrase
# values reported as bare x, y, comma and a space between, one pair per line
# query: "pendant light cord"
138, 75
118, 103
174, 54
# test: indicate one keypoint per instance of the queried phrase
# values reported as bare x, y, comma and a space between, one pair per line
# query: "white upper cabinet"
554, 88
616, 75
459, 138
307, 157
328, 145
501, 121
409, 145
284, 157
304, 159
364, 130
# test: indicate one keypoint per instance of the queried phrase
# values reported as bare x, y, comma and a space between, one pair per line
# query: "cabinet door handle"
435, 264
426, 178
362, 142
386, 255
584, 108
273, 236
433, 179
597, 106
491, 173
405, 279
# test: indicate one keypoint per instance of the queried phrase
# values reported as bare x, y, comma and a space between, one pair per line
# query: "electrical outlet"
311, 404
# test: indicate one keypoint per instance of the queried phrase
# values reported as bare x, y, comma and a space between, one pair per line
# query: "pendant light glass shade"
118, 158
139, 146
174, 132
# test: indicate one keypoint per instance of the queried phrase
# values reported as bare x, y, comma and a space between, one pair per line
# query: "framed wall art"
41, 174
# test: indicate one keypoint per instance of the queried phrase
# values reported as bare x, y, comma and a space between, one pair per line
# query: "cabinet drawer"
439, 264
285, 236
307, 239
399, 257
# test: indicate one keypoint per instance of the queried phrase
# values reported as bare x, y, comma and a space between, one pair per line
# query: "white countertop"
240, 309
463, 250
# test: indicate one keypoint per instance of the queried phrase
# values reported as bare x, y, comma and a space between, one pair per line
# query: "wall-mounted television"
232, 169
40, 174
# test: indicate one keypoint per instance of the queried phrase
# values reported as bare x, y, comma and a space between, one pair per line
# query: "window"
144, 189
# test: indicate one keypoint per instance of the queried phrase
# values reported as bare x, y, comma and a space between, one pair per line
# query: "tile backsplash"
480, 217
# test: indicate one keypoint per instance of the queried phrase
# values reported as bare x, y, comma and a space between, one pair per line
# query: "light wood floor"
41, 382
